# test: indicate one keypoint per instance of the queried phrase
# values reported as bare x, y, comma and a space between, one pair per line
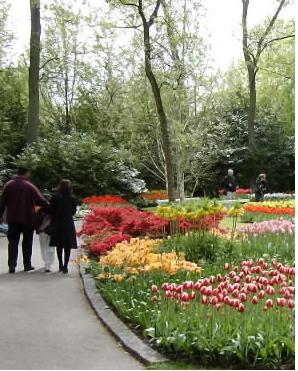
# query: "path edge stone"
129, 340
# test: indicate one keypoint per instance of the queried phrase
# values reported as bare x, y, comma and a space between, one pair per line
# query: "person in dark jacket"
261, 187
63, 206
19, 198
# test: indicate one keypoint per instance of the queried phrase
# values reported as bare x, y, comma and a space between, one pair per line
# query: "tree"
252, 49
33, 82
147, 23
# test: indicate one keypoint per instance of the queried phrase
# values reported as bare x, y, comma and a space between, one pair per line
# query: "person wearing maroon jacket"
19, 198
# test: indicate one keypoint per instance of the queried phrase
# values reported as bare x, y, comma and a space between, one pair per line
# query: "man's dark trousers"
13, 236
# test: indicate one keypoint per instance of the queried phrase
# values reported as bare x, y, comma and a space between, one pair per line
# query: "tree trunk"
166, 142
33, 82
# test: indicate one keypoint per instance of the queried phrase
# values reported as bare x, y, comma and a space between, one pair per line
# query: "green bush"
94, 169
196, 246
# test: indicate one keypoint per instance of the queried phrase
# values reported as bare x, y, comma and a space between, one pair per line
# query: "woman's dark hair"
65, 187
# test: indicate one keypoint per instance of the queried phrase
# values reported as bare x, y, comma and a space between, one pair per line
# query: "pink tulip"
281, 302
255, 300
269, 303
154, 288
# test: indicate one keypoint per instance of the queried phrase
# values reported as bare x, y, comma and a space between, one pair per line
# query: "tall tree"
147, 23
252, 50
33, 109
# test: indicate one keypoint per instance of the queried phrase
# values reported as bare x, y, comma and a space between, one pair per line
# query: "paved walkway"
47, 323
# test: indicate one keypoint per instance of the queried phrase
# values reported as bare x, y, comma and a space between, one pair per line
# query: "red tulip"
255, 300
241, 308
204, 299
220, 297
215, 292
292, 271
226, 300
232, 274
261, 294
185, 297
291, 289
165, 286
248, 279
287, 294
250, 263
209, 290
236, 303
213, 300
270, 290
192, 295
212, 279
219, 277
291, 304
235, 293
269, 303
168, 294
243, 297
236, 279
236, 286
179, 288
230, 288
281, 302
154, 288
188, 285
261, 261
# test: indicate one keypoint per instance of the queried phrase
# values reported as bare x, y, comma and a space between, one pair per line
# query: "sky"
222, 23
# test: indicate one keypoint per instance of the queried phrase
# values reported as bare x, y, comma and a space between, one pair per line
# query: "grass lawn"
227, 222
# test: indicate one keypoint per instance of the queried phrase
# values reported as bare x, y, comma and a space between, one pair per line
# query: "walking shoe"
47, 270
65, 270
11, 270
29, 269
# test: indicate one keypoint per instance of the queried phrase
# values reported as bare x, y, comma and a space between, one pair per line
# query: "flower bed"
270, 226
155, 195
105, 201
279, 196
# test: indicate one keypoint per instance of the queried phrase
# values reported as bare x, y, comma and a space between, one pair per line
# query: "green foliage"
261, 217
197, 246
94, 169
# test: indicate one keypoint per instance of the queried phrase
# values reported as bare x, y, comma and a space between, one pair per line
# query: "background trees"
93, 85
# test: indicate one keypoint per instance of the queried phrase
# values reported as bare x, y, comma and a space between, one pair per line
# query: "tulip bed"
210, 296
261, 211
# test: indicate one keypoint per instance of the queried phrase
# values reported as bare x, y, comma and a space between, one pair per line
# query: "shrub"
93, 168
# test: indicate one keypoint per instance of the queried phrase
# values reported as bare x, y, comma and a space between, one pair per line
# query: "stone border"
130, 341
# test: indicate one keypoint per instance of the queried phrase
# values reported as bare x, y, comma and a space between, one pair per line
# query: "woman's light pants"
47, 252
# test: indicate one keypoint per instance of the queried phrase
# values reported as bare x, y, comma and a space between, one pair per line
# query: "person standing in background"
230, 185
261, 187
63, 206
19, 199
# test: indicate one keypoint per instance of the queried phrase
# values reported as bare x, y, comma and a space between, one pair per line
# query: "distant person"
261, 187
230, 184
63, 206
43, 231
18, 201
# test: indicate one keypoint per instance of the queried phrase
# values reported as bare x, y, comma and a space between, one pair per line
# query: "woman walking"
63, 234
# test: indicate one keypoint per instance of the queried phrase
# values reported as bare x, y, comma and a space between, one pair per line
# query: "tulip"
209, 290
212, 279
255, 300
287, 294
226, 300
243, 297
261, 261
241, 308
204, 299
214, 300
168, 294
179, 288
230, 288
185, 297
248, 279
292, 271
269, 303
281, 302
215, 292
227, 266
270, 290
218, 306
225, 292
165, 286
265, 308
154, 288
220, 297
219, 277
261, 294
291, 304
192, 295
235, 293
154, 298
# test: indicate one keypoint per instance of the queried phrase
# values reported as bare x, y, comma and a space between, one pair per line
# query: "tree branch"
154, 13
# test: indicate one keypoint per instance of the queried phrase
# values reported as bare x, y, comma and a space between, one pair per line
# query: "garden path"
47, 323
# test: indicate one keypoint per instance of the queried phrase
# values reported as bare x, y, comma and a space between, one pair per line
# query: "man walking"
19, 198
